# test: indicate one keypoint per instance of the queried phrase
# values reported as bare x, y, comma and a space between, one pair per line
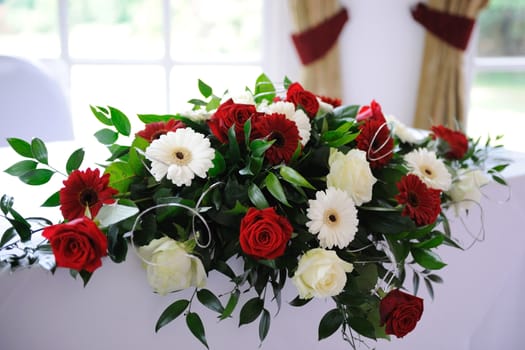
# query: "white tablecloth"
478, 307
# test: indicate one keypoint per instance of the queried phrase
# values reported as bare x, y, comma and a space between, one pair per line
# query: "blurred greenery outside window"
498, 88
142, 56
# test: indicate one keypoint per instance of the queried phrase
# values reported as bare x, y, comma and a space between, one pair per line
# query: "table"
478, 307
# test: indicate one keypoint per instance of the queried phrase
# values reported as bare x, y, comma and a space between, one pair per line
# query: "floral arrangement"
292, 187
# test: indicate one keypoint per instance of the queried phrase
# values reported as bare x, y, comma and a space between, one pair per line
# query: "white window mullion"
167, 61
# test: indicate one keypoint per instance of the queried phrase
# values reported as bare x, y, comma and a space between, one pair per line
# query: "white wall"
381, 49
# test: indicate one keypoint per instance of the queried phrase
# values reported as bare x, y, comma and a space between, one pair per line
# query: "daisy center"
181, 156
88, 197
331, 218
278, 137
428, 172
413, 200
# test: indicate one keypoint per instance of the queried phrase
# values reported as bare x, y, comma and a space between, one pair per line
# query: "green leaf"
117, 245
257, 197
431, 243
86, 276
21, 167
172, 312
434, 278
275, 188
205, 89
230, 306
292, 176
101, 114
363, 327
247, 128
209, 300
264, 325
53, 200
415, 282
298, 301
330, 323
8, 235
258, 147
427, 259
219, 165
197, 102
234, 150
153, 118
37, 177
499, 180
75, 160
120, 121
121, 176
194, 323
21, 147
39, 150
251, 310
213, 104
347, 138
264, 89
367, 278
106, 136
6, 203
430, 288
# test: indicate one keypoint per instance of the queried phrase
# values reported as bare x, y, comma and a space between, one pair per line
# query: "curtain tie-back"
315, 42
453, 29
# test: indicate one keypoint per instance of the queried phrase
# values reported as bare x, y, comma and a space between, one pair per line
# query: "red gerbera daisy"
85, 189
374, 137
335, 102
285, 133
153, 131
457, 143
422, 204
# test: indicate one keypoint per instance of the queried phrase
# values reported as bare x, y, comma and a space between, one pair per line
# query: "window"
142, 56
498, 88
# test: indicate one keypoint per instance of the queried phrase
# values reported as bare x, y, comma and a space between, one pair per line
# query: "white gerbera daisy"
300, 118
180, 155
333, 218
431, 170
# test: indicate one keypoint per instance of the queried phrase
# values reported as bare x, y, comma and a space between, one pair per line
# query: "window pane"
132, 89
115, 28
184, 84
502, 29
29, 28
212, 30
497, 107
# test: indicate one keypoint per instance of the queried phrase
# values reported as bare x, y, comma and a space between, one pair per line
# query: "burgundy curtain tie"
315, 42
453, 29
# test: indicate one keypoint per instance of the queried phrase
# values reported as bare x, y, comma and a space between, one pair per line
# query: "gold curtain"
441, 94
322, 77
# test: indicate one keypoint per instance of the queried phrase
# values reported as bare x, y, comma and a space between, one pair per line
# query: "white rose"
466, 189
240, 97
351, 173
320, 273
170, 267
325, 107
403, 132
198, 115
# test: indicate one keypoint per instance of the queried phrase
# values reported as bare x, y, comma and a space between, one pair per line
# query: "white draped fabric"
478, 307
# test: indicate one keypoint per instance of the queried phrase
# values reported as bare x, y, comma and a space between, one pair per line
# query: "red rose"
334, 102
400, 312
374, 137
78, 244
228, 114
456, 141
302, 98
264, 234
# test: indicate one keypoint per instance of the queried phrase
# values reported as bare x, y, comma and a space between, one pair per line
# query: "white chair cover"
32, 103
